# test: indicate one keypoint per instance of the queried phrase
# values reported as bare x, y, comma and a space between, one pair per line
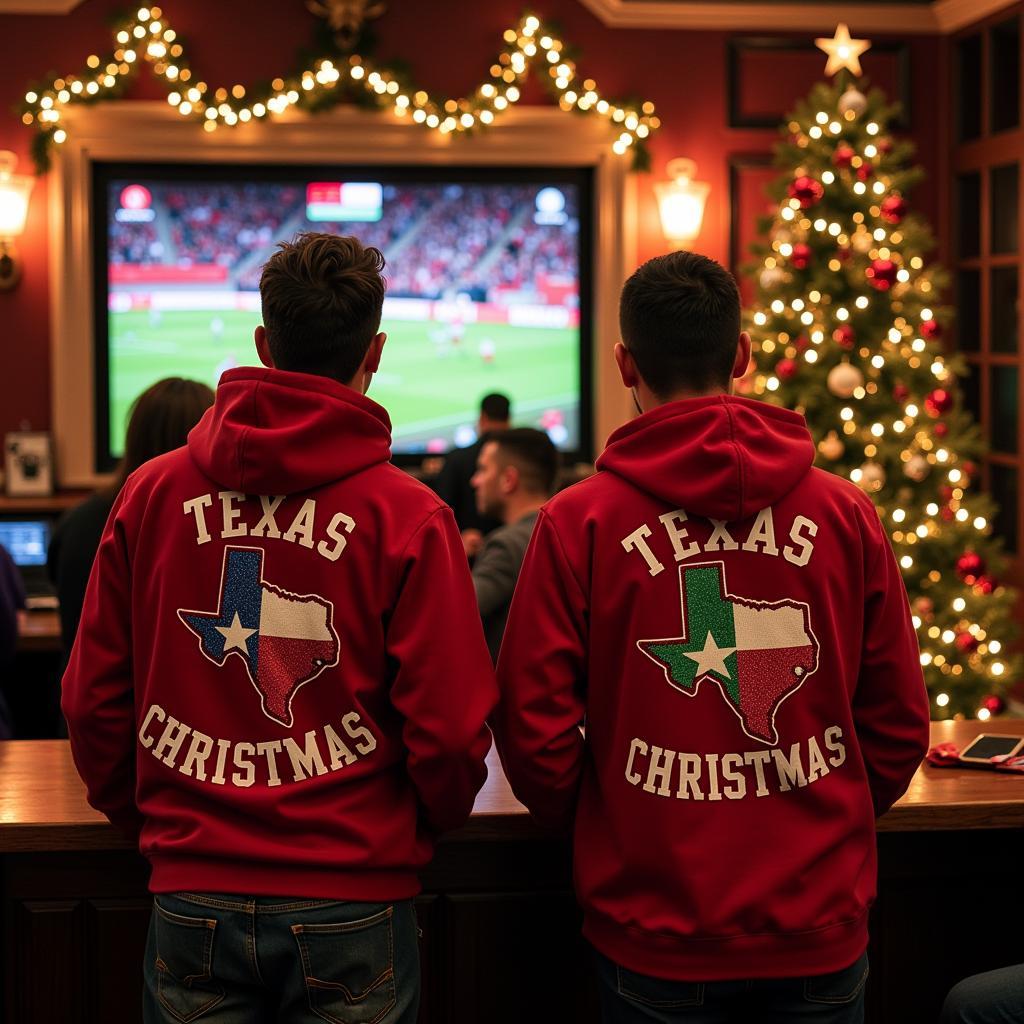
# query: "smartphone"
988, 745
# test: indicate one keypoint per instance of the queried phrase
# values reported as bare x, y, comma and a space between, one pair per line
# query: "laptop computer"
27, 541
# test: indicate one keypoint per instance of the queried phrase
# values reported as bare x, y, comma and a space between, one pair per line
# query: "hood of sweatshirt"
276, 432
718, 457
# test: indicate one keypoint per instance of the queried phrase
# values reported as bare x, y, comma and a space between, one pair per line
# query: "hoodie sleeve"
98, 690
444, 684
541, 674
890, 707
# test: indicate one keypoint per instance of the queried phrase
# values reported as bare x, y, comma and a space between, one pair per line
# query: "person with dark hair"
280, 682
731, 625
453, 482
159, 422
515, 474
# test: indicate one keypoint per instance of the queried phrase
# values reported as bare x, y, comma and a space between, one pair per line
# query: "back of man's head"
322, 300
679, 315
495, 409
534, 456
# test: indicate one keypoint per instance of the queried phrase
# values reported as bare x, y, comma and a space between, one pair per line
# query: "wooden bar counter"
500, 926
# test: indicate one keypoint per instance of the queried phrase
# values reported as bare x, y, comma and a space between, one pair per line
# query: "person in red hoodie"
710, 669
280, 681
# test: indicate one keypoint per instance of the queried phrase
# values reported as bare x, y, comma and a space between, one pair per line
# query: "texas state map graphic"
758, 653
284, 639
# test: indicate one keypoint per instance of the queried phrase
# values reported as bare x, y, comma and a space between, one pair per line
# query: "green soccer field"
429, 384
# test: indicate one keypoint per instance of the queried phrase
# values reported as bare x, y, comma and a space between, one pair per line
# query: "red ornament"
966, 642
985, 585
946, 492
901, 392
931, 329
884, 145
946, 513
923, 607
882, 274
806, 190
994, 704
802, 344
801, 256
786, 368
940, 429
844, 336
864, 172
894, 209
970, 566
939, 402
843, 254
843, 156
970, 468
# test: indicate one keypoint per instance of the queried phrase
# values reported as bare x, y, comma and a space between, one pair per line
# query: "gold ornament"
843, 379
872, 476
917, 468
831, 446
843, 52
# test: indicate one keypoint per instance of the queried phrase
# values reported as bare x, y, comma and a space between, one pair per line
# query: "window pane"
970, 387
968, 310
1003, 200
968, 215
1003, 422
1005, 309
967, 79
1004, 78
1005, 493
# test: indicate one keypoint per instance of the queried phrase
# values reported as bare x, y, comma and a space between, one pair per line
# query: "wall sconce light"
681, 201
14, 192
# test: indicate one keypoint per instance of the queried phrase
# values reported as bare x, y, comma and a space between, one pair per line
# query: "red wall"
448, 47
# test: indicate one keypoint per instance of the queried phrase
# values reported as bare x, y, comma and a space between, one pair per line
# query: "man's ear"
740, 367
509, 479
627, 366
263, 347
373, 353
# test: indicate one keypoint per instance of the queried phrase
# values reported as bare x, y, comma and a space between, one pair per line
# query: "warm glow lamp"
14, 192
681, 201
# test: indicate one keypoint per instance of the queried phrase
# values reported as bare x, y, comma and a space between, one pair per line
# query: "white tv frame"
152, 131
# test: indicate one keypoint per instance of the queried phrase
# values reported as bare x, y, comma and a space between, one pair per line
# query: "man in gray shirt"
515, 474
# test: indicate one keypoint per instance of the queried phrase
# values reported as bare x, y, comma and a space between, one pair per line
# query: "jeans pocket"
840, 987
349, 968
184, 960
660, 993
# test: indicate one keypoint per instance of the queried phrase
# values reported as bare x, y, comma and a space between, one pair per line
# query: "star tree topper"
843, 52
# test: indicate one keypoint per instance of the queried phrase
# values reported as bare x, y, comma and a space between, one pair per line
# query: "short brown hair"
322, 300
533, 453
680, 319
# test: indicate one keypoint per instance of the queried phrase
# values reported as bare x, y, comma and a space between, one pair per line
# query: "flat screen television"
488, 271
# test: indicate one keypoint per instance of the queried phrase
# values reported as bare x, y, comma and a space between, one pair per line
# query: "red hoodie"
280, 673
732, 626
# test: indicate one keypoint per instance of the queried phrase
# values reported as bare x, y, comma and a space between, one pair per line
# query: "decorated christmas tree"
848, 329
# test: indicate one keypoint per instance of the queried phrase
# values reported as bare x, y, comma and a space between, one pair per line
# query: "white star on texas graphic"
712, 658
235, 635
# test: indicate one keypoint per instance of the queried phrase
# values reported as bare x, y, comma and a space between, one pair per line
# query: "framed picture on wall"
28, 464
749, 177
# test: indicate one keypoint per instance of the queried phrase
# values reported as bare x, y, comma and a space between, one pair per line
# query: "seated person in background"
160, 420
996, 997
515, 474
732, 625
12, 605
453, 485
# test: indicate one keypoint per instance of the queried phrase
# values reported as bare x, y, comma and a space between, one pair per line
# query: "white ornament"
772, 278
872, 476
917, 468
853, 100
844, 379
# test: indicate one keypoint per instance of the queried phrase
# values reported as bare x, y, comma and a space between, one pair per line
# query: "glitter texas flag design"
284, 639
759, 653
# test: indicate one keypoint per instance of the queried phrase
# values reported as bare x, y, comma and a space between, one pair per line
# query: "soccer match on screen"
483, 291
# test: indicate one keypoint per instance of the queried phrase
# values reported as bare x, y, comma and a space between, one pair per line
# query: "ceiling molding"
38, 6
915, 18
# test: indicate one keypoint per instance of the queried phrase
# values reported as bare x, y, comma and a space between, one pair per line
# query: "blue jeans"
226, 959
631, 998
996, 997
